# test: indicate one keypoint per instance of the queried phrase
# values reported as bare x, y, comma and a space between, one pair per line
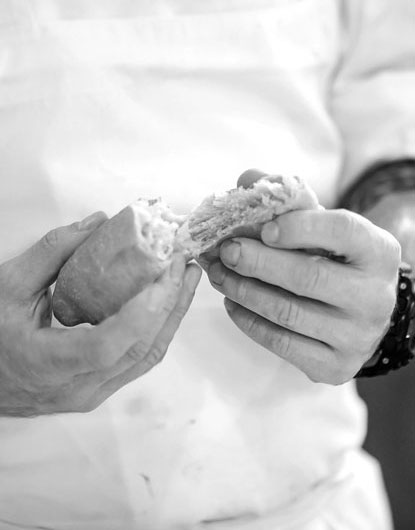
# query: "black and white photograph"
207, 264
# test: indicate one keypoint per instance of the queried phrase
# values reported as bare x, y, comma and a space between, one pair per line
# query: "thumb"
39, 266
249, 177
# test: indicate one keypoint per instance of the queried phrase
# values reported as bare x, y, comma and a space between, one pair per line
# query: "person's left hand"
325, 316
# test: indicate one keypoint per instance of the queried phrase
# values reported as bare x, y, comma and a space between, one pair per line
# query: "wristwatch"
397, 347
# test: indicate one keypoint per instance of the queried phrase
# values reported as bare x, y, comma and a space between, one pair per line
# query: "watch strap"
397, 348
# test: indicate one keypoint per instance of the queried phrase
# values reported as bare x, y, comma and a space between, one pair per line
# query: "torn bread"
133, 248
116, 262
243, 211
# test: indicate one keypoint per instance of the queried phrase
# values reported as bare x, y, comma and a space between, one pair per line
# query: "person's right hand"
46, 370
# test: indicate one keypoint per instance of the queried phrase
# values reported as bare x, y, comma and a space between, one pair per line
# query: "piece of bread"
133, 248
243, 211
116, 262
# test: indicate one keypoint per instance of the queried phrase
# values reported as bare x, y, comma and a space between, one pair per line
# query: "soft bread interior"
156, 226
223, 215
219, 216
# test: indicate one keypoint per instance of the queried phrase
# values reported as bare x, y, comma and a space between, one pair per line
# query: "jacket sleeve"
373, 94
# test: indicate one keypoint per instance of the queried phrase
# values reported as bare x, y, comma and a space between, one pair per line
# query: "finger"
38, 266
140, 320
134, 364
312, 357
82, 350
301, 315
304, 275
171, 325
249, 177
340, 232
57, 354
205, 259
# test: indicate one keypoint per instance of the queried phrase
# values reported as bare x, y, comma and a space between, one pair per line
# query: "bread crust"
110, 267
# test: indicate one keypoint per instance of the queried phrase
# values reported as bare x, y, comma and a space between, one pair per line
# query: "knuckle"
281, 344
255, 263
154, 357
343, 225
180, 312
289, 314
156, 354
134, 353
241, 291
137, 352
314, 278
51, 239
251, 324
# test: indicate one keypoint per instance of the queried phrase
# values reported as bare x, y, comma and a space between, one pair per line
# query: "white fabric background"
102, 102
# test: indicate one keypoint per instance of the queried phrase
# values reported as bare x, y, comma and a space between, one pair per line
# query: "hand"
325, 316
45, 370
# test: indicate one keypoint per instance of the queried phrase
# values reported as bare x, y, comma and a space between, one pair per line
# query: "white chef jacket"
103, 102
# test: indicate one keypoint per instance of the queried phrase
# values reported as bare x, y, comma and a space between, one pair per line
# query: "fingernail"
193, 275
216, 273
92, 221
229, 305
249, 177
270, 232
230, 252
177, 268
